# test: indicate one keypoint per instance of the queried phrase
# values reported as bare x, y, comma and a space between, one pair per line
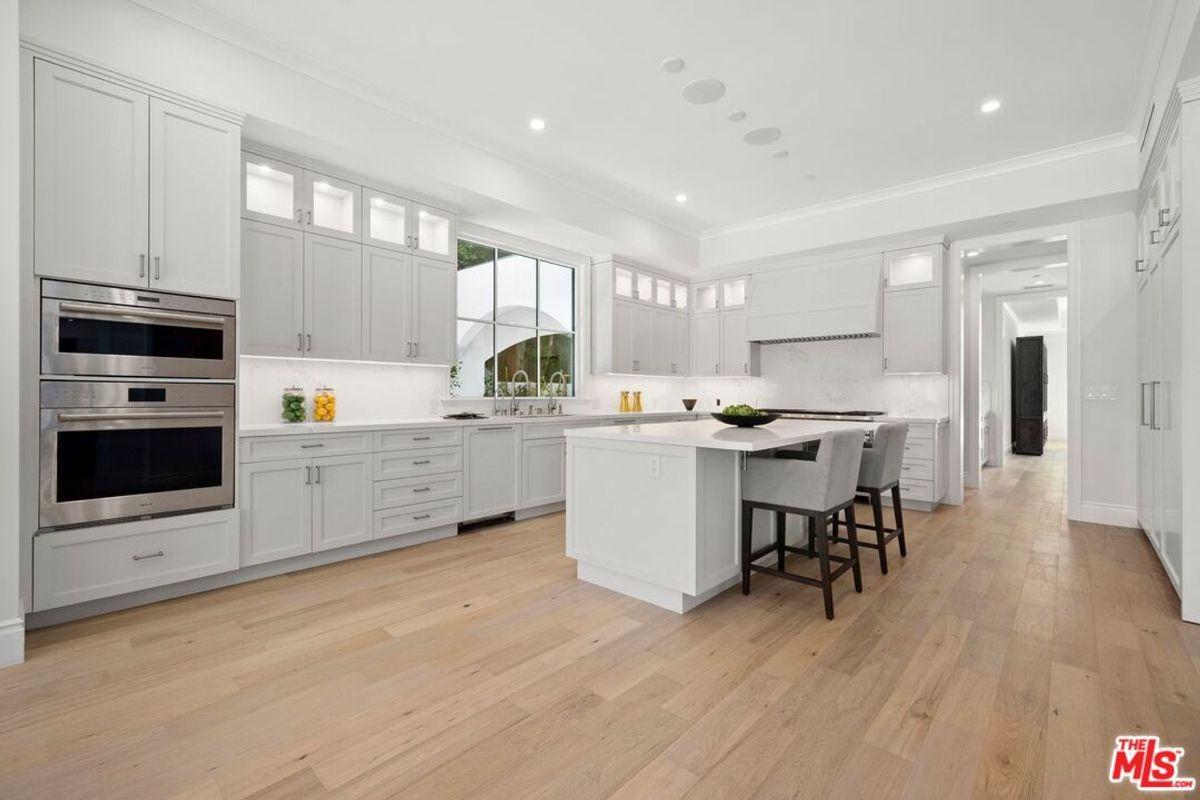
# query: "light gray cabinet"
493, 454
912, 331
543, 472
680, 344
706, 344
302, 505
719, 347
272, 313
433, 310
332, 296
386, 300
131, 190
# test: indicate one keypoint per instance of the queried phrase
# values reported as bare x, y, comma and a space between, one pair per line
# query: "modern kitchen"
385, 426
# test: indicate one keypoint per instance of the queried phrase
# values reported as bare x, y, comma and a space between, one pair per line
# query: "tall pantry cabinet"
1168, 431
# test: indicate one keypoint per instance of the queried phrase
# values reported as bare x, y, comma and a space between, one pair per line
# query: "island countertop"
711, 434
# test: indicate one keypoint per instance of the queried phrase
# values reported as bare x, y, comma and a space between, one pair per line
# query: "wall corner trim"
1107, 514
12, 642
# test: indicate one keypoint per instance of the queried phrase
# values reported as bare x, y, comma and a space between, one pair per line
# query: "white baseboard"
1107, 514
12, 642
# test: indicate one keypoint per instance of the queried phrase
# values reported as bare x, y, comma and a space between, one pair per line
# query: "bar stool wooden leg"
747, 528
899, 512
812, 537
877, 509
852, 533
823, 554
780, 538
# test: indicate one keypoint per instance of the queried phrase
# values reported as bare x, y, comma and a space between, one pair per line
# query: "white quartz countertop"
308, 428
897, 418
718, 436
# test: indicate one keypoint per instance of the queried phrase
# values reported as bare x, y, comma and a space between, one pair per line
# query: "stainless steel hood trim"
830, 338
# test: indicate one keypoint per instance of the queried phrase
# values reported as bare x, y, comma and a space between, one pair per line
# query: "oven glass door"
113, 464
80, 338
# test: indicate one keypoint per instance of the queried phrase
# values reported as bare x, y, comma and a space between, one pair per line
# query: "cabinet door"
1168, 412
733, 293
1149, 309
434, 232
492, 456
643, 339
915, 268
912, 331
543, 472
735, 350
622, 326
332, 207
385, 220
91, 181
276, 510
704, 296
271, 191
194, 201
342, 497
271, 316
386, 299
433, 309
706, 344
660, 346
680, 356
332, 298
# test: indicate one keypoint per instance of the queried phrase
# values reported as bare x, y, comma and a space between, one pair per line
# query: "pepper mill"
624, 409
637, 402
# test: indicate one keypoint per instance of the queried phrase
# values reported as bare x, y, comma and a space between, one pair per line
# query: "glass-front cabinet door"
733, 293
271, 191
706, 297
433, 231
623, 282
643, 287
332, 206
662, 292
680, 296
385, 220
915, 268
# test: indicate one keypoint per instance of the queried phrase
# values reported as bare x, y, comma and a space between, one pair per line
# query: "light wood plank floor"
999, 660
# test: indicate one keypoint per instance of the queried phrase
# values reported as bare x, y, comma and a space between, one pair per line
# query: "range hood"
840, 300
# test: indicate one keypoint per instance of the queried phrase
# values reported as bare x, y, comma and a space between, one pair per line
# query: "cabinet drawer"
275, 448
548, 430
418, 463
422, 439
921, 470
921, 449
410, 519
89, 563
920, 430
916, 490
410, 491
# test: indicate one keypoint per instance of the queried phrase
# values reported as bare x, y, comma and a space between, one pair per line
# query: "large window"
516, 325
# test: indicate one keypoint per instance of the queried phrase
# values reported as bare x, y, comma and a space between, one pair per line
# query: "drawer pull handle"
421, 516
495, 428
159, 554
421, 438
419, 463
423, 489
310, 446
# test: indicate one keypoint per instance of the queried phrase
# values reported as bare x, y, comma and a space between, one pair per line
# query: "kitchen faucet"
554, 406
515, 407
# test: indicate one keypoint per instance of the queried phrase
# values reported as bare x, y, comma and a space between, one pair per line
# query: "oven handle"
140, 313
74, 417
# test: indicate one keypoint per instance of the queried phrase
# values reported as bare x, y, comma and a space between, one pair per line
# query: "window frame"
578, 274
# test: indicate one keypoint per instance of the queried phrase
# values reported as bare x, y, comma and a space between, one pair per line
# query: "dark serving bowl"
743, 421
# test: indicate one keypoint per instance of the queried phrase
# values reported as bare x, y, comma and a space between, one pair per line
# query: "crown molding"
1041, 158
1189, 90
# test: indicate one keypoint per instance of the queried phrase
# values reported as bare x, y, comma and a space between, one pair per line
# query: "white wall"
1056, 389
11, 630
1008, 332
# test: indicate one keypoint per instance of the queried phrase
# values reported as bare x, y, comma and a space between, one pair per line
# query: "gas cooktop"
814, 413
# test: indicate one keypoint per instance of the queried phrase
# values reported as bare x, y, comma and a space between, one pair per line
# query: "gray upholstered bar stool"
882, 464
817, 489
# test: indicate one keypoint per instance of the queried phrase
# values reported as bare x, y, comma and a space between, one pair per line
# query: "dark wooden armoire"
1029, 380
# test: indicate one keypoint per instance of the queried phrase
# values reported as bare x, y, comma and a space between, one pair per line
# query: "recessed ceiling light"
681, 198
705, 90
537, 124
736, 116
760, 136
673, 64
990, 106
972, 253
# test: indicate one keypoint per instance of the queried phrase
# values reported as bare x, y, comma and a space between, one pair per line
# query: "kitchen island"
653, 511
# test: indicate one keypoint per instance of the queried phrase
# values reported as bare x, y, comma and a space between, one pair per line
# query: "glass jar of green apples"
293, 405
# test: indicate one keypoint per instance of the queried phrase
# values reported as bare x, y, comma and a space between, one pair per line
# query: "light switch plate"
655, 466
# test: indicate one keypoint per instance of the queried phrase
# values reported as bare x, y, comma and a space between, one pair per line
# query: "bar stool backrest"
881, 461
839, 458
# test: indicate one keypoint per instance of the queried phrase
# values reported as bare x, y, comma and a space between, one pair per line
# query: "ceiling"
868, 95
1041, 313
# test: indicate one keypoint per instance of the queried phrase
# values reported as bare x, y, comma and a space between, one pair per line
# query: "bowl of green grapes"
743, 416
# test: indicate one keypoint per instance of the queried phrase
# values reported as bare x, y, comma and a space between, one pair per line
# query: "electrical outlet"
655, 466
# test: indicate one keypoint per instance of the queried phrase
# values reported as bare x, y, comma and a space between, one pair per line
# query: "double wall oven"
138, 404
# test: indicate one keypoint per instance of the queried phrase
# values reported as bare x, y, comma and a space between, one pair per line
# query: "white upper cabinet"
194, 160
705, 297
271, 321
733, 293
636, 314
433, 310
915, 268
912, 332
131, 190
680, 299
91, 178
333, 207
622, 282
680, 344
434, 232
272, 191
332, 298
663, 293
706, 344
385, 217
386, 302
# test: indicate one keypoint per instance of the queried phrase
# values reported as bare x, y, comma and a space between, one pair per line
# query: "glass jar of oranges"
293, 404
324, 405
